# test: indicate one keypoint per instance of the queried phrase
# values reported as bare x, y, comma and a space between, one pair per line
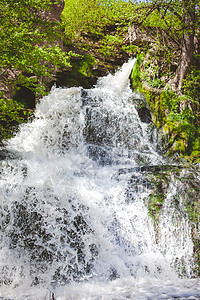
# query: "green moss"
159, 181
133, 49
86, 64
191, 206
176, 117
197, 256
191, 202
185, 201
154, 204
191, 84
135, 74
82, 71
177, 121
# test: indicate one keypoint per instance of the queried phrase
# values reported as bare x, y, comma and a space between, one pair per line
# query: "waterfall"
74, 223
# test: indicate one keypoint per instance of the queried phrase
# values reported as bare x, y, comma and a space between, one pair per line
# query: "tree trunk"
187, 47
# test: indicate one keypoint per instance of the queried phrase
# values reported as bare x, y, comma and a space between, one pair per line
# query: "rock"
136, 35
147, 34
145, 115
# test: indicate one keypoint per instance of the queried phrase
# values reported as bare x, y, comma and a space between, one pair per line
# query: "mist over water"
74, 224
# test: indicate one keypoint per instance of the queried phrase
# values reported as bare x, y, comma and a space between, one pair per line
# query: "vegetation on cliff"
169, 72
29, 52
28, 43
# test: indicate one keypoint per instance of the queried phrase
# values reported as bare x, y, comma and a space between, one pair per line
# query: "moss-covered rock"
175, 116
185, 200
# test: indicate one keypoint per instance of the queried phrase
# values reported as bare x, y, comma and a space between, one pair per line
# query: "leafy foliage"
109, 44
28, 40
29, 50
12, 114
90, 17
176, 116
191, 85
81, 71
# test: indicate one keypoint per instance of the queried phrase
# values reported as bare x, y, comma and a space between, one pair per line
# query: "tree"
91, 16
80, 17
29, 47
30, 50
189, 18
186, 14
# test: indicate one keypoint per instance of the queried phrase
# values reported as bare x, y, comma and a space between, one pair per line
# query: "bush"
12, 114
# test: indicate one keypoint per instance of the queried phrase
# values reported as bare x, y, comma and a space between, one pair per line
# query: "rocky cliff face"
7, 79
176, 187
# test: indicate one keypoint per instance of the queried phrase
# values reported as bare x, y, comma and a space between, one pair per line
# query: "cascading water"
74, 224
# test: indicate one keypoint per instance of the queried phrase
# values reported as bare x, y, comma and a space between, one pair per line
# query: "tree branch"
168, 27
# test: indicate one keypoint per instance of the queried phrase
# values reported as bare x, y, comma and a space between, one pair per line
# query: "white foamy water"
74, 224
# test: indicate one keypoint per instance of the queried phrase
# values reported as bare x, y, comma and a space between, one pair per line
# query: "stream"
74, 224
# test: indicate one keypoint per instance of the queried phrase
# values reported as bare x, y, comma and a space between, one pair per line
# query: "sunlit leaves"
92, 16
12, 114
28, 40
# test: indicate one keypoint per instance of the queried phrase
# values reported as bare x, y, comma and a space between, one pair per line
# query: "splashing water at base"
74, 224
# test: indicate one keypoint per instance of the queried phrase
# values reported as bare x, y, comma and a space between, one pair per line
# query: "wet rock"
145, 115
151, 169
184, 185
45, 240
